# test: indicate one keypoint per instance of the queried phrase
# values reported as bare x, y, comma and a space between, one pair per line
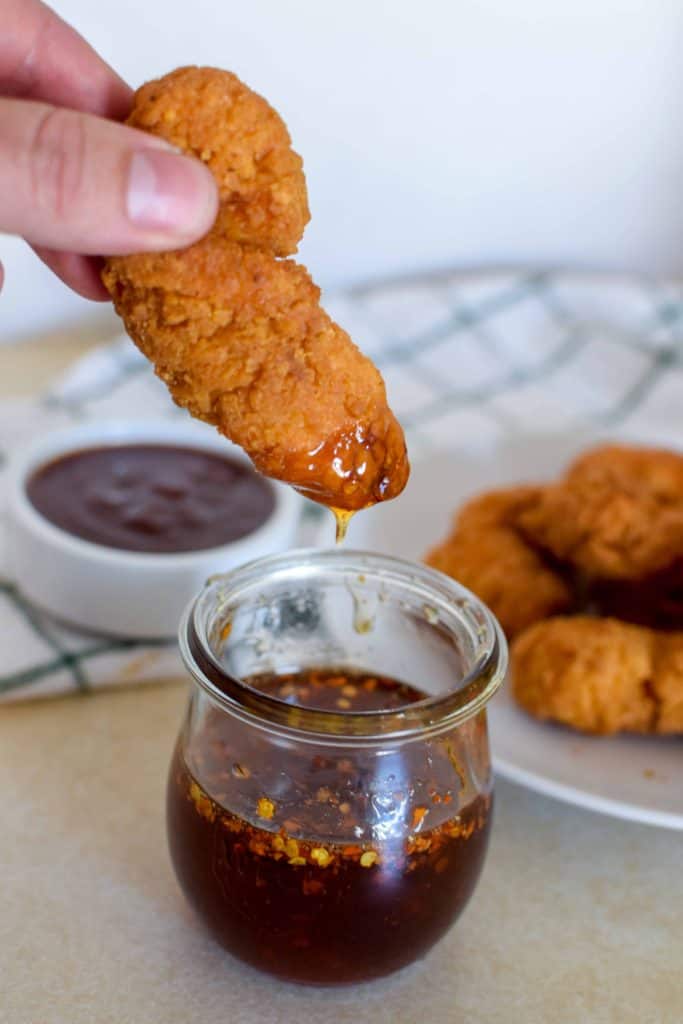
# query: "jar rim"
429, 716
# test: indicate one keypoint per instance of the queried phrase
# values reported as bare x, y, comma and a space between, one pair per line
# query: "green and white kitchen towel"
469, 359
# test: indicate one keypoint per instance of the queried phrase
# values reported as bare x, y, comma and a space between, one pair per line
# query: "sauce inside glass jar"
334, 872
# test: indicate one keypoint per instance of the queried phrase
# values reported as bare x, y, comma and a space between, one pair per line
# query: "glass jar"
327, 823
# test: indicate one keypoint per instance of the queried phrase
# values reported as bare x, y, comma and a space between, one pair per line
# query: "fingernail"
169, 193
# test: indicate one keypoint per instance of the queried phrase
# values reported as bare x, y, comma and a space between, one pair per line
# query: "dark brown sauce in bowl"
151, 498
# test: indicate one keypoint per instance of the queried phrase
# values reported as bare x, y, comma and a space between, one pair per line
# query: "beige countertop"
577, 917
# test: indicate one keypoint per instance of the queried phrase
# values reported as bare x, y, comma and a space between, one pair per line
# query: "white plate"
632, 777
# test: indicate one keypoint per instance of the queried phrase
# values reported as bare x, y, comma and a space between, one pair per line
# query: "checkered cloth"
468, 359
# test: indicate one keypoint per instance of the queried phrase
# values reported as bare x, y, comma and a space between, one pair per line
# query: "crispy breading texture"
600, 676
668, 682
486, 553
241, 341
618, 513
237, 334
212, 115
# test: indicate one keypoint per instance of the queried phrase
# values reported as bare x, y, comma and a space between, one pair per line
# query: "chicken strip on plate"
486, 553
618, 513
600, 676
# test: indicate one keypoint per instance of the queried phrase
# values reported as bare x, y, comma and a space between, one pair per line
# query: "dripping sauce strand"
342, 517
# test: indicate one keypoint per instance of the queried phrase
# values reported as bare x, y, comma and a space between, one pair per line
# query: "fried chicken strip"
237, 333
618, 513
600, 676
486, 553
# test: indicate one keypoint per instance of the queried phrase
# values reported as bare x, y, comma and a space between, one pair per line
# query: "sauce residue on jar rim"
151, 498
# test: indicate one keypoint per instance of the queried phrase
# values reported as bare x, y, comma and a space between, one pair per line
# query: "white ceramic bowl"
125, 593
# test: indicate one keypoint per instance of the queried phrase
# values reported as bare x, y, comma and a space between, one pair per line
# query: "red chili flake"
418, 816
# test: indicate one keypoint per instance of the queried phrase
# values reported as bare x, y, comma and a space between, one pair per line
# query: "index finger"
43, 58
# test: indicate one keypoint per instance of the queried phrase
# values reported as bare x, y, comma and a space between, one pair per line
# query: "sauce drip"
342, 517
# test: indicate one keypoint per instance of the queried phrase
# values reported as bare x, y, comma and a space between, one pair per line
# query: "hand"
72, 181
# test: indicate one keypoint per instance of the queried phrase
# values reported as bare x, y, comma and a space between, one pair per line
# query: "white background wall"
439, 132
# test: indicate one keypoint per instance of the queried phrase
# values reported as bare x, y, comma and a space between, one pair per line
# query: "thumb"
71, 181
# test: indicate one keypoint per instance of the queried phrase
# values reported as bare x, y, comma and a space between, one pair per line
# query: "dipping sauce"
328, 877
152, 498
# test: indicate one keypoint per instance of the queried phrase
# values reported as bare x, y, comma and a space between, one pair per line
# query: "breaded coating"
241, 341
245, 144
487, 554
600, 676
237, 334
668, 682
618, 513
